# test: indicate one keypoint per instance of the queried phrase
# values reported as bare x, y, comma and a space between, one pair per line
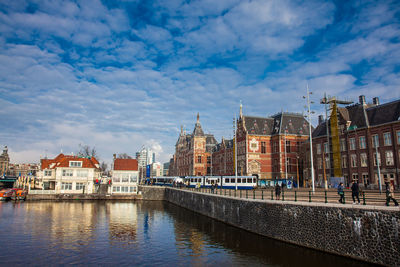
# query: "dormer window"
75, 163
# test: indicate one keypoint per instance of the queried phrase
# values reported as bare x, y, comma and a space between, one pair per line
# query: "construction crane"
333, 102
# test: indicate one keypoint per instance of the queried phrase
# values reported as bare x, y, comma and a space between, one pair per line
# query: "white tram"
228, 182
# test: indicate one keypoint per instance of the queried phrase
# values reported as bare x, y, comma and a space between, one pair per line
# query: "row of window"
124, 189
78, 173
226, 180
132, 179
68, 186
389, 160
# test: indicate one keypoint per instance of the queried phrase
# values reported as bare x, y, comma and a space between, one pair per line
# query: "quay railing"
322, 196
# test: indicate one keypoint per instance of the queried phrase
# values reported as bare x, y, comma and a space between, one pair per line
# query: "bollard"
220, 191
283, 195
262, 194
326, 197
247, 193
309, 196
272, 194
364, 199
240, 193
254, 194
295, 196
344, 198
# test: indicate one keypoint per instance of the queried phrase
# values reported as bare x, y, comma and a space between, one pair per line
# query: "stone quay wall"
366, 233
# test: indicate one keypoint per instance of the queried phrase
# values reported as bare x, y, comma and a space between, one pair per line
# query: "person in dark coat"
277, 191
341, 192
355, 192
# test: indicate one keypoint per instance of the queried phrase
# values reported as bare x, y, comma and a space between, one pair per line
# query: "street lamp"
234, 136
286, 163
297, 163
310, 134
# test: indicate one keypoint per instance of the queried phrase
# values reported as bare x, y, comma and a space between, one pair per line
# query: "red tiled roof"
63, 161
125, 165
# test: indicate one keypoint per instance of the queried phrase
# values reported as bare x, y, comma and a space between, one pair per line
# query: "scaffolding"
334, 131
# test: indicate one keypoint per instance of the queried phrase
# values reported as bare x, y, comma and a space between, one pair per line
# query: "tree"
86, 151
124, 156
103, 167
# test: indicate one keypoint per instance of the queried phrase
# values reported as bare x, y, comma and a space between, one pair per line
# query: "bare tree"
86, 151
103, 167
124, 156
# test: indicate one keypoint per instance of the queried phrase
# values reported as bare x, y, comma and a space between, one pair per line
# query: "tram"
164, 180
228, 182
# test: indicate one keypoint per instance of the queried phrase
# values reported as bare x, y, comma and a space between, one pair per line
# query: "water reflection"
137, 233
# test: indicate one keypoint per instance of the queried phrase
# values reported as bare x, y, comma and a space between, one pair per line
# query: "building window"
326, 148
133, 178
398, 137
363, 159
275, 146
208, 159
198, 159
82, 174
352, 144
75, 163
387, 139
363, 144
365, 179
318, 148
79, 186
379, 159
355, 177
353, 161
327, 163
47, 173
375, 140
342, 144
288, 165
319, 163
288, 146
389, 158
132, 189
68, 173
263, 148
116, 179
66, 186
125, 178
344, 161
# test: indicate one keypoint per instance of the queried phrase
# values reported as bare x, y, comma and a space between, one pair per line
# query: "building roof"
198, 131
363, 115
63, 161
291, 123
125, 165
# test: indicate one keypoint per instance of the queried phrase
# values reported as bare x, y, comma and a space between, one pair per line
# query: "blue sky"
121, 74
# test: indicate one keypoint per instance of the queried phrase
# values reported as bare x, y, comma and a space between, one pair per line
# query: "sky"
119, 75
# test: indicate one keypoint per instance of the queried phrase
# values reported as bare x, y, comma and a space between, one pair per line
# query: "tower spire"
198, 117
241, 109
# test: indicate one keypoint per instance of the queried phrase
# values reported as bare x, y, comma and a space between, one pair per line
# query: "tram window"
239, 180
232, 180
249, 180
226, 180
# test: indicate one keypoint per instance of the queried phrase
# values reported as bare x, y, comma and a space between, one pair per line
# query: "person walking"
390, 194
355, 192
341, 193
277, 191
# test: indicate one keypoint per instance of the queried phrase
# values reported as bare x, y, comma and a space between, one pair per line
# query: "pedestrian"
341, 193
390, 194
355, 192
277, 191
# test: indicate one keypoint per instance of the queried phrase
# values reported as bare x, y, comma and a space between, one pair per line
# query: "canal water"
145, 233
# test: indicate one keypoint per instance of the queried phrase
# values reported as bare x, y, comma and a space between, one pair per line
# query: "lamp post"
310, 134
234, 136
376, 143
286, 163
297, 163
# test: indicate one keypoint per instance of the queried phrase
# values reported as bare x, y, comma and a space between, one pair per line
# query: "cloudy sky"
117, 75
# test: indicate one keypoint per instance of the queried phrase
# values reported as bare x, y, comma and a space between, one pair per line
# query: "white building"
145, 157
69, 174
125, 176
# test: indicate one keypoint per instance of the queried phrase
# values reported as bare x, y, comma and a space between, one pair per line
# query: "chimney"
362, 99
320, 119
375, 100
114, 156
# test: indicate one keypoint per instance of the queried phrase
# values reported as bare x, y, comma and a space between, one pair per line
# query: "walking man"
341, 193
277, 191
390, 194
355, 192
